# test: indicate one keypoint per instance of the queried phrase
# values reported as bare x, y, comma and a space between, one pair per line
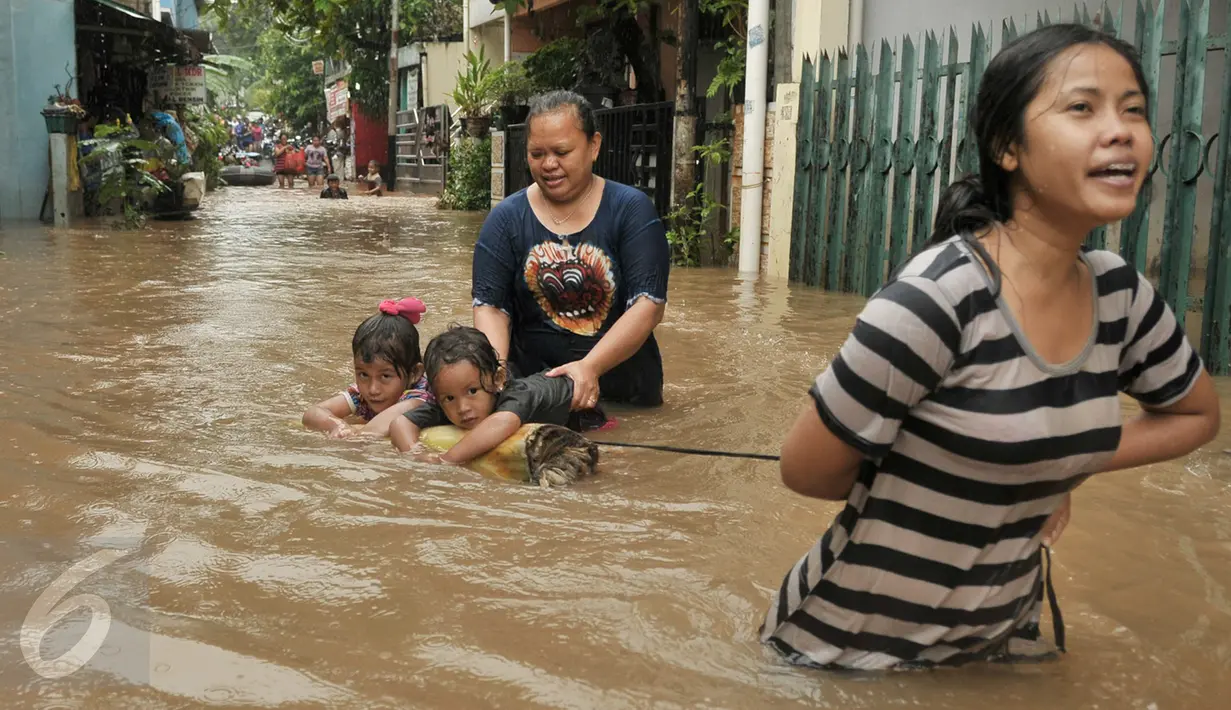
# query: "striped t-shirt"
970, 441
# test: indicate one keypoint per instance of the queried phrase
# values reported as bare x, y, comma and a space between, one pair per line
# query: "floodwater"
151, 386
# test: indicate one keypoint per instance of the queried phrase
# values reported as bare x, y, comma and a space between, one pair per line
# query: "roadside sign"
177, 84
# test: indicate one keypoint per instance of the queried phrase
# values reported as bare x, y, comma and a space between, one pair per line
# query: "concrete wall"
186, 15
37, 41
444, 60
483, 12
820, 26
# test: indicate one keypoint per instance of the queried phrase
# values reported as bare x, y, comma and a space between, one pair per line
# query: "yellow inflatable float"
540, 454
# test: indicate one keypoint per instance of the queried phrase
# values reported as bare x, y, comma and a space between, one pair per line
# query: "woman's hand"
585, 383
1058, 521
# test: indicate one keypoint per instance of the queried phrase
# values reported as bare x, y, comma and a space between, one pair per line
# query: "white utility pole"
755, 104
508, 36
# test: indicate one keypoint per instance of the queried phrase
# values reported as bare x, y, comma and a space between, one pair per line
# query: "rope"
695, 452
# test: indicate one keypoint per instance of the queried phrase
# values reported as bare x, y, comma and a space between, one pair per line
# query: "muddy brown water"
151, 386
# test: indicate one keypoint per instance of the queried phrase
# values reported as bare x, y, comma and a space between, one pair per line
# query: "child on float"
389, 379
473, 391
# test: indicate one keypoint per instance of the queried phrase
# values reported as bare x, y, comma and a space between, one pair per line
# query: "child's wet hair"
462, 343
388, 337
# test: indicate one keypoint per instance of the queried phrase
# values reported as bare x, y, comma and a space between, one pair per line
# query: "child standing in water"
373, 183
473, 392
389, 377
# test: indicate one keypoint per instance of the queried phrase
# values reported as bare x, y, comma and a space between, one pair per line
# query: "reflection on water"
152, 385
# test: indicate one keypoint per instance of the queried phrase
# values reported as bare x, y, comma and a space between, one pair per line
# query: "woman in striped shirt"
980, 385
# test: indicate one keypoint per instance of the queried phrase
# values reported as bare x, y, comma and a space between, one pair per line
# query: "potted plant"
475, 93
62, 112
513, 87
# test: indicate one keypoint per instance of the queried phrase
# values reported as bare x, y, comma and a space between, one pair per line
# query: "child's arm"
379, 426
328, 416
404, 434
486, 436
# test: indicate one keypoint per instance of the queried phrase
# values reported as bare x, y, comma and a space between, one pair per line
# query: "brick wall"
737, 178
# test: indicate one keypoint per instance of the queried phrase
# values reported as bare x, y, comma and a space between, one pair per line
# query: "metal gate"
423, 149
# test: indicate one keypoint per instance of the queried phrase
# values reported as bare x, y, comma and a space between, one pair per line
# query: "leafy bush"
120, 154
470, 176
554, 65
206, 133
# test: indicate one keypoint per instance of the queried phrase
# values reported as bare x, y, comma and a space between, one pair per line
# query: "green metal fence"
876, 149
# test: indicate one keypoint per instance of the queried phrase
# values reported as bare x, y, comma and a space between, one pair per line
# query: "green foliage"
554, 65
512, 85
208, 133
227, 78
236, 32
476, 86
120, 155
355, 30
470, 176
734, 16
290, 88
690, 223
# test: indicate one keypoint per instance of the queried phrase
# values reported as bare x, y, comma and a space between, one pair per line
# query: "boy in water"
334, 191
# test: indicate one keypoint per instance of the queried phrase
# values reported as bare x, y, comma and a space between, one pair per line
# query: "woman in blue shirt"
570, 274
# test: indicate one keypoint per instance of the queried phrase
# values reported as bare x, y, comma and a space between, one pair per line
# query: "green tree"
290, 88
227, 79
357, 31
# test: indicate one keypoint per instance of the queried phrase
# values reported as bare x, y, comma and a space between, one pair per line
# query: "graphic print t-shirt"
564, 292
315, 157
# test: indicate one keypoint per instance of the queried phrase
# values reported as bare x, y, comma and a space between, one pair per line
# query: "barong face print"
574, 285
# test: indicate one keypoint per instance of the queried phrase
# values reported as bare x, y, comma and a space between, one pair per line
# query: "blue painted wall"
185, 14
37, 41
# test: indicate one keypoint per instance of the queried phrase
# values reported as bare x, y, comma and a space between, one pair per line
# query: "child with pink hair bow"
389, 378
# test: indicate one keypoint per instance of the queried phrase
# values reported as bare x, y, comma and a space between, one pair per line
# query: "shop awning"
159, 42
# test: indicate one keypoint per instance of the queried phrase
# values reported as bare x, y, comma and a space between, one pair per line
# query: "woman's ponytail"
965, 208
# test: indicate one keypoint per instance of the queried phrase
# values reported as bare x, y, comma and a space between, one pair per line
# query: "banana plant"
228, 78
121, 158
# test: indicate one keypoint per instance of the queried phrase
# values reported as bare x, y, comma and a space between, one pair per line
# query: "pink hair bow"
411, 308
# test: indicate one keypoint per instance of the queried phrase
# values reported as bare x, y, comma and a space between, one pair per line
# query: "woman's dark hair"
998, 122
554, 101
462, 343
388, 337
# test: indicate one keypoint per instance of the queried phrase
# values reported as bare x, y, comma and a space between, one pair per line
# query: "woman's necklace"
580, 202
